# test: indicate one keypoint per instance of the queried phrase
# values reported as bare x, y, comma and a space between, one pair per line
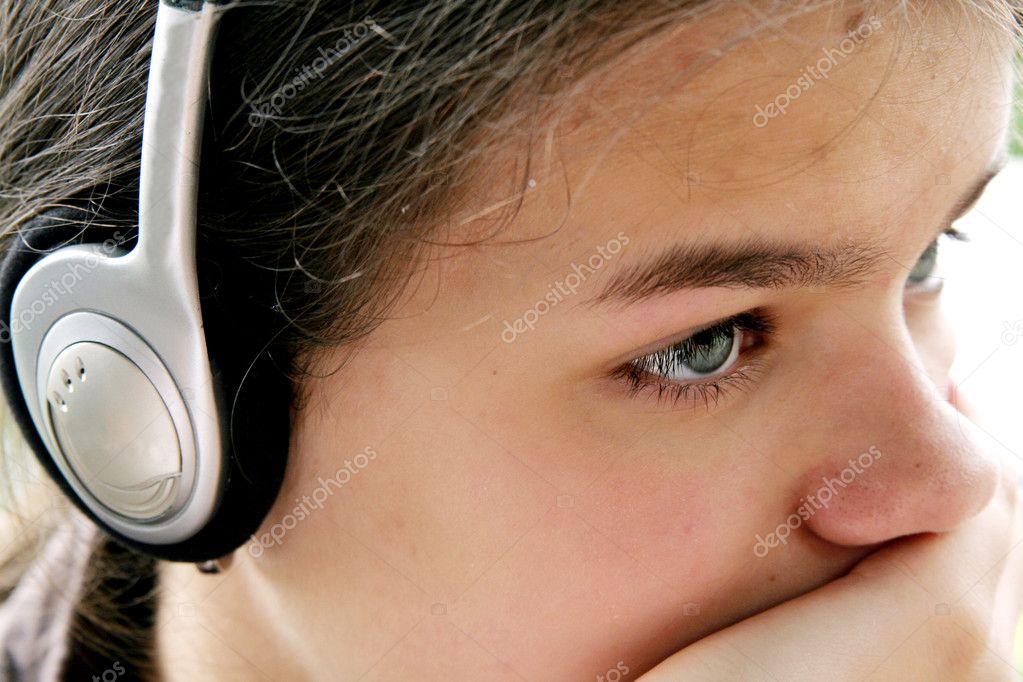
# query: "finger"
926, 605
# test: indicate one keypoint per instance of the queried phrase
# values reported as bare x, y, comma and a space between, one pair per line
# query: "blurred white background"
984, 297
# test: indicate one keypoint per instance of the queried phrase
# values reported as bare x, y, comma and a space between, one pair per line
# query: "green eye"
925, 265
703, 354
704, 365
707, 352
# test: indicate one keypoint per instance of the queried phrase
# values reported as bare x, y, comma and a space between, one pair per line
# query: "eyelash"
640, 375
950, 233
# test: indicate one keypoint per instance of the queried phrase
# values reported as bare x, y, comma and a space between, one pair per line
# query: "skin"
523, 515
934, 606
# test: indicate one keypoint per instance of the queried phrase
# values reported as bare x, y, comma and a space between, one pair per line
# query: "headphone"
144, 378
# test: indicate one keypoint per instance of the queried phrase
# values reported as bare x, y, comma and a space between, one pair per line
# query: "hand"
926, 607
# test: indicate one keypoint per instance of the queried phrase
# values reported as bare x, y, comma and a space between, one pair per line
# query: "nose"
918, 464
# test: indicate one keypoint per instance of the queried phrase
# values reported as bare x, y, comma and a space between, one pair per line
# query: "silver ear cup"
114, 429
109, 345
117, 425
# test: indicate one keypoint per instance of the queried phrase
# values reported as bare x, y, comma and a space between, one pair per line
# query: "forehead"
855, 115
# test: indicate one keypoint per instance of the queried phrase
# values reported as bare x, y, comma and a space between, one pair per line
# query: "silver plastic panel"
120, 435
144, 302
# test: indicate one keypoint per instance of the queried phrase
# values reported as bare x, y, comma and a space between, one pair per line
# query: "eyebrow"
761, 264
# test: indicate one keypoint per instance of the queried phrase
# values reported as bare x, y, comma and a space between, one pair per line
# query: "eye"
925, 265
705, 353
924, 277
702, 365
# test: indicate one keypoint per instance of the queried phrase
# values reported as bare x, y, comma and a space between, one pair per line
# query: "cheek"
441, 502
688, 525
531, 527
634, 564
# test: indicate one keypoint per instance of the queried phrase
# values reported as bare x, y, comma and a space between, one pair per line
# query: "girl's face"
702, 371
